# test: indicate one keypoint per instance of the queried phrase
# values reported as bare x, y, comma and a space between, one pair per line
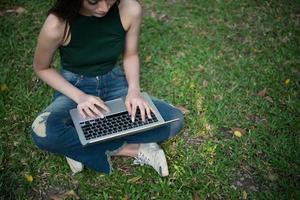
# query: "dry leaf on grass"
262, 93
20, 10
16, 10
183, 109
3, 87
125, 198
64, 196
269, 99
245, 195
148, 59
204, 83
135, 180
196, 196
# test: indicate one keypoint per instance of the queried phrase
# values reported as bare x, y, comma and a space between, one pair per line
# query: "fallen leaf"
19, 10
205, 83
287, 81
163, 17
269, 99
245, 195
238, 132
134, 179
262, 93
64, 196
183, 109
28, 178
196, 196
148, 59
192, 86
180, 54
272, 177
3, 87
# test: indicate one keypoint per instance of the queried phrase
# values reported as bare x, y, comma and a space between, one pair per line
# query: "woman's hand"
88, 106
135, 100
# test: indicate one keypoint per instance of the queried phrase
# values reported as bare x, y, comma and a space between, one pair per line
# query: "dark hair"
67, 11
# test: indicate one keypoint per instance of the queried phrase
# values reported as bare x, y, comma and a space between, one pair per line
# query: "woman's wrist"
134, 89
78, 96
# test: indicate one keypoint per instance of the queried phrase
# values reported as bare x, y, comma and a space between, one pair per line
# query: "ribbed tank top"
96, 44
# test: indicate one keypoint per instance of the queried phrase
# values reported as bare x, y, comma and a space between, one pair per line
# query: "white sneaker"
152, 154
74, 165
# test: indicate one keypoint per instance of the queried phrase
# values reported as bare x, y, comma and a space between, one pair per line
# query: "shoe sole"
163, 171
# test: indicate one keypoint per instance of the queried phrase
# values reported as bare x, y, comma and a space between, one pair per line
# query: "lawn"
232, 66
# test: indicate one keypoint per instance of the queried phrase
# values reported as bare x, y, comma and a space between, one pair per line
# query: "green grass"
210, 57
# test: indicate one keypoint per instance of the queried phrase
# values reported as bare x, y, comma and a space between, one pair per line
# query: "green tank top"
96, 44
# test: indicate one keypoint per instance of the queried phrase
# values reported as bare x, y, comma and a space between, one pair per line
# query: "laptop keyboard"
112, 124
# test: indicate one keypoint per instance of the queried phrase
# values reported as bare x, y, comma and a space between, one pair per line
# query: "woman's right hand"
88, 106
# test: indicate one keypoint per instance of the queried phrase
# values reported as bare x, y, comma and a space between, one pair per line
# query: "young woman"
90, 35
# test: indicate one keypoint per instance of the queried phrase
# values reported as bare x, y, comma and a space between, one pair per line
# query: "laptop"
116, 123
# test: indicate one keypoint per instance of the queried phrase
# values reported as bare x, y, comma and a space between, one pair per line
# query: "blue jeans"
53, 129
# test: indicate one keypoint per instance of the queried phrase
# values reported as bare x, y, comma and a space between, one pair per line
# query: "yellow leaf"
245, 195
148, 59
192, 86
28, 178
287, 81
125, 198
134, 179
3, 87
237, 133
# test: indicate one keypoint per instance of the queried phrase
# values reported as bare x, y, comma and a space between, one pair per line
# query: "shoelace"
141, 159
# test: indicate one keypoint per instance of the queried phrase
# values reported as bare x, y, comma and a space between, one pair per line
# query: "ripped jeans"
54, 131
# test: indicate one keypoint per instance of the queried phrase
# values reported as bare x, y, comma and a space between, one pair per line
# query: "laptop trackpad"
115, 106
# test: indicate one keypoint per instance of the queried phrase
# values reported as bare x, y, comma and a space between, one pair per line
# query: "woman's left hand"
134, 100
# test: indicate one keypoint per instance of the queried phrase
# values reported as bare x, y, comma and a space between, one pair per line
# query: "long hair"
66, 10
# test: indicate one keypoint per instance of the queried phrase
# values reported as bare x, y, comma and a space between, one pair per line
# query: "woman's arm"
49, 40
131, 12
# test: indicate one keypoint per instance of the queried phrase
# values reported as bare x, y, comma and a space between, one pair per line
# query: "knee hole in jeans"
39, 124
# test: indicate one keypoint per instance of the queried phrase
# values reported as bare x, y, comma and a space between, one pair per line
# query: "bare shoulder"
130, 10
130, 6
53, 28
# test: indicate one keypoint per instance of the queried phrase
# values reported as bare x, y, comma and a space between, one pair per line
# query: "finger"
133, 112
128, 107
101, 104
152, 110
148, 111
142, 110
96, 111
88, 112
81, 112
